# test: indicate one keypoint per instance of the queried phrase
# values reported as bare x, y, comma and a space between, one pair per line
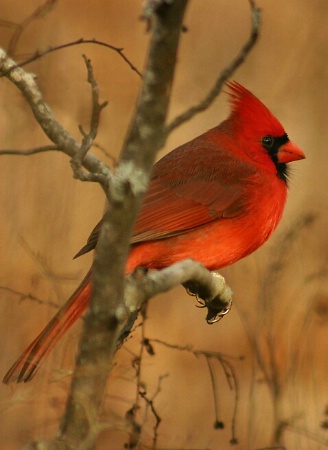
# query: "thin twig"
150, 403
27, 296
224, 75
88, 138
190, 349
50, 148
228, 372
32, 151
233, 383
219, 424
39, 54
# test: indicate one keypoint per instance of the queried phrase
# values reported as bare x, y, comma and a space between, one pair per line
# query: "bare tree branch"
107, 312
25, 82
208, 285
224, 75
40, 54
134, 425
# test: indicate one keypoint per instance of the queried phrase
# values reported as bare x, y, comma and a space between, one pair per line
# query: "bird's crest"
248, 109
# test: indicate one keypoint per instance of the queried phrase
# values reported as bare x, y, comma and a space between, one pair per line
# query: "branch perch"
209, 286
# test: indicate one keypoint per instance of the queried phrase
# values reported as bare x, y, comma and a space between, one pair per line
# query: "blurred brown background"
279, 321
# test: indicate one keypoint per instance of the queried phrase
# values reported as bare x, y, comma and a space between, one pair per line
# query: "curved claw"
202, 303
214, 317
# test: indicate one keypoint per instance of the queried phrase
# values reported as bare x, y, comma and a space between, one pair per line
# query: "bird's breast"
223, 241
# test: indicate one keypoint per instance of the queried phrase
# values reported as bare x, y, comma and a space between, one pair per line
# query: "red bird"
215, 199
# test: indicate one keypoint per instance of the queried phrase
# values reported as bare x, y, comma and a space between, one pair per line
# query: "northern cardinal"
215, 199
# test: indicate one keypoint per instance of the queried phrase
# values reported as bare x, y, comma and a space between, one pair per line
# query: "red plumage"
215, 199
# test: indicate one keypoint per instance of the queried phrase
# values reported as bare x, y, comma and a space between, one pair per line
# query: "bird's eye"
267, 141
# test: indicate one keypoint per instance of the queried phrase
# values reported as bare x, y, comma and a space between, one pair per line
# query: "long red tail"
29, 362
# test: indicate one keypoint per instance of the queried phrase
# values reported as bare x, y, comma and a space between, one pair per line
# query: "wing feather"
183, 196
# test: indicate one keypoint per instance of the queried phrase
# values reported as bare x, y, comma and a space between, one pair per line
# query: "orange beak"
289, 152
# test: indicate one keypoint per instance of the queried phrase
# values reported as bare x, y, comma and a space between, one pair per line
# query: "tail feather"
27, 365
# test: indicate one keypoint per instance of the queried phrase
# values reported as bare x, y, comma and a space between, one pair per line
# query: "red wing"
183, 196
168, 212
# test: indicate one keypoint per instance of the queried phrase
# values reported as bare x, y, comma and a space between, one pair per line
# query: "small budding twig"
88, 138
